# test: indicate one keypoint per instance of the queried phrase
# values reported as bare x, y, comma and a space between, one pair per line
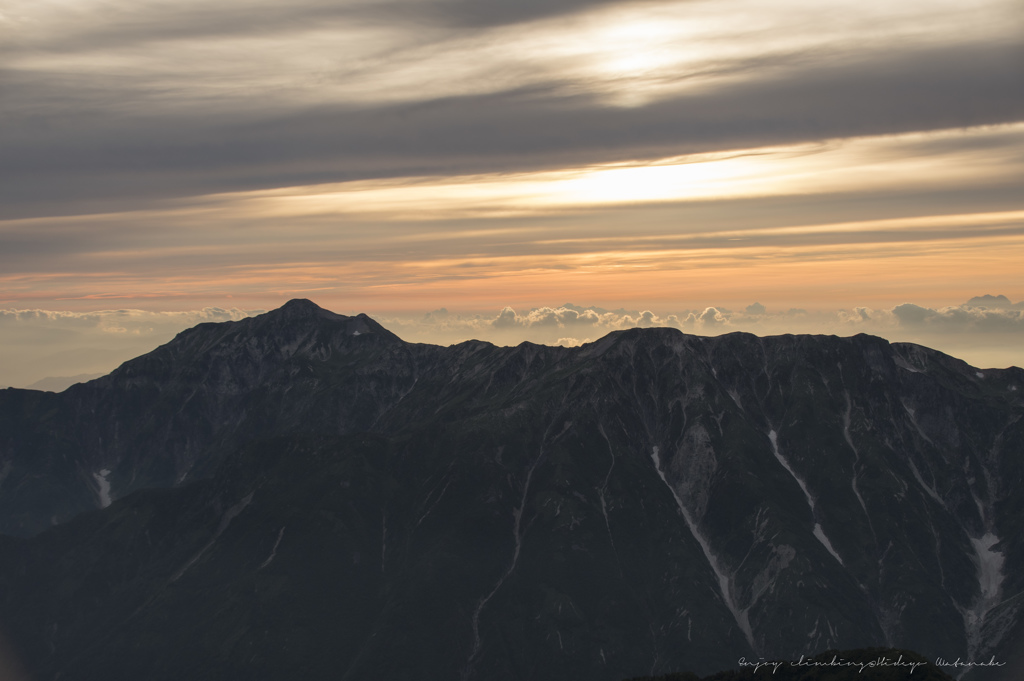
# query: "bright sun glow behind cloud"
412, 154
661, 48
842, 166
402, 243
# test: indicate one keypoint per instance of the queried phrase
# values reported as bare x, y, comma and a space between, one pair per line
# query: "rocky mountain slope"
304, 495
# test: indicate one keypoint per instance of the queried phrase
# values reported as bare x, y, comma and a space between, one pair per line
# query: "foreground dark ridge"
305, 494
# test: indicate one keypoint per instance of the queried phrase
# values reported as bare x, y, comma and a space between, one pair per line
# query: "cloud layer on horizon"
45, 343
573, 323
40, 343
940, 212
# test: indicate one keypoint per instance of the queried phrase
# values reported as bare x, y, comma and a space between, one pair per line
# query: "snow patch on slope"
273, 551
724, 584
225, 520
819, 532
905, 365
990, 565
856, 455
990, 581
518, 536
913, 420
735, 398
104, 487
603, 488
927, 488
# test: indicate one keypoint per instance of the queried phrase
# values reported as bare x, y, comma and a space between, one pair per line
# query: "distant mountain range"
58, 383
304, 495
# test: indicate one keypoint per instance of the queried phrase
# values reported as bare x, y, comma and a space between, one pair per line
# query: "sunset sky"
545, 170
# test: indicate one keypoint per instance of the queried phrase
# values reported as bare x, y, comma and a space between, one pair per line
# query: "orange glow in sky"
842, 158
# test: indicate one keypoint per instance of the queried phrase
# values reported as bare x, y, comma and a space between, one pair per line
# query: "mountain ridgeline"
304, 495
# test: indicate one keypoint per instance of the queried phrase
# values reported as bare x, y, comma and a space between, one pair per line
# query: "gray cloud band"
93, 151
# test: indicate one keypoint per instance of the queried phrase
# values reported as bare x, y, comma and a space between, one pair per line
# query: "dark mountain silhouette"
304, 495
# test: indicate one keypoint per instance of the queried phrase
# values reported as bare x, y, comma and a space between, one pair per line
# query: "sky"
535, 170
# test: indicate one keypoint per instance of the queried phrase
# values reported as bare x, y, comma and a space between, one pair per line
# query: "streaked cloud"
776, 218
682, 156
948, 158
110, 103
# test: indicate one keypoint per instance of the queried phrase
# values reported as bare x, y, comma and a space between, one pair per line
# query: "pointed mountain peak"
299, 327
299, 312
301, 308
